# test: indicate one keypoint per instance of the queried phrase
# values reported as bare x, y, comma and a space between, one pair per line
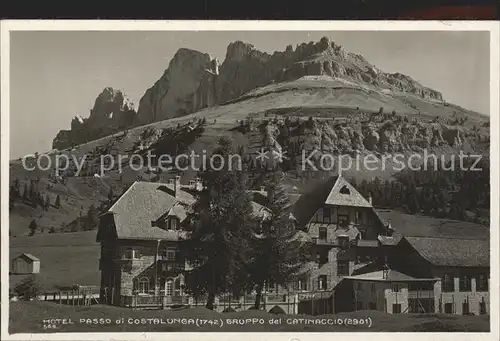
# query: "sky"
56, 75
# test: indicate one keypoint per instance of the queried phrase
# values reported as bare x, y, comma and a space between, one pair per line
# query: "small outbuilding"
25, 263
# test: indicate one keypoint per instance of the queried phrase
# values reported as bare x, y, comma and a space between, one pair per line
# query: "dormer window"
173, 223
345, 190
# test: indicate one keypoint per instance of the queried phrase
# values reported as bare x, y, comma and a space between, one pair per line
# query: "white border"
108, 25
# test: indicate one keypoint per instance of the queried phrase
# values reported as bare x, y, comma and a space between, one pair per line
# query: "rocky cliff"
194, 81
186, 86
112, 112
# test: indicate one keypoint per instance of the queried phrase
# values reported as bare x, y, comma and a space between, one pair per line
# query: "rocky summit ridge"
112, 111
194, 81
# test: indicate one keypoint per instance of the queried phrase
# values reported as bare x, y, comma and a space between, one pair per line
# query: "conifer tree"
92, 219
219, 229
277, 254
32, 227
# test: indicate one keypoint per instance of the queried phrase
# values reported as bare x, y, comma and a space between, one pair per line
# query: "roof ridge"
121, 196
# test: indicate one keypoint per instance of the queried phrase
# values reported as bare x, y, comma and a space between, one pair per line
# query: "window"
169, 287
170, 254
359, 305
322, 282
359, 286
373, 306
372, 287
465, 283
322, 257
396, 287
345, 190
465, 308
327, 215
447, 283
358, 217
322, 232
143, 285
302, 285
342, 268
482, 283
396, 308
448, 308
172, 223
343, 242
482, 308
343, 220
130, 253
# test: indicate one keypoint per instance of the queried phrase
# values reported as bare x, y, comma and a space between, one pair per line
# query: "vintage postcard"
280, 180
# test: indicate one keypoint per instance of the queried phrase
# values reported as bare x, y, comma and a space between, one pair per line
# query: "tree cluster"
440, 193
233, 251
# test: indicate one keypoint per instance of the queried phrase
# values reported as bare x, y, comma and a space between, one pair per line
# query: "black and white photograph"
249, 177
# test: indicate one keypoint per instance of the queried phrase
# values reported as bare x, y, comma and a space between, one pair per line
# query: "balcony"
421, 294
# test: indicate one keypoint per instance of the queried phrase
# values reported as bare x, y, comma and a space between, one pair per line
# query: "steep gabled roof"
452, 252
144, 203
29, 256
308, 203
344, 194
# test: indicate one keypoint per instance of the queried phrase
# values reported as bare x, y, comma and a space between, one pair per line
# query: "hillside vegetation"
316, 97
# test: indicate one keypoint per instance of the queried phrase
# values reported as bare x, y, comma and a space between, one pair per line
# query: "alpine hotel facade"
362, 258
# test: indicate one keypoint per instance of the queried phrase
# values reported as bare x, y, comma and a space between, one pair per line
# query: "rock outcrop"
112, 112
194, 80
375, 137
186, 86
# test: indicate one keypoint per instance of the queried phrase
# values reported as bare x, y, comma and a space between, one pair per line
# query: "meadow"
65, 258
29, 316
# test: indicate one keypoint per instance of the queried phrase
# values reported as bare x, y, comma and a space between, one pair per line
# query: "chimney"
198, 184
390, 230
177, 186
370, 198
385, 270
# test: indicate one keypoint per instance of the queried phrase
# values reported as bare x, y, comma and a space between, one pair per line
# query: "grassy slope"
65, 258
27, 317
308, 94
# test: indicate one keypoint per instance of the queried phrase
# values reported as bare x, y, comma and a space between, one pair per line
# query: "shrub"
29, 288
